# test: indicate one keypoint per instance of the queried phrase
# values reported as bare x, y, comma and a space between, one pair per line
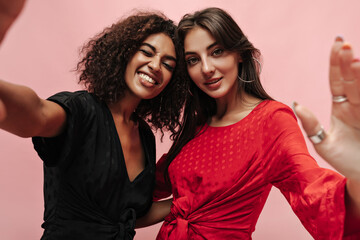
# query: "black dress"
87, 192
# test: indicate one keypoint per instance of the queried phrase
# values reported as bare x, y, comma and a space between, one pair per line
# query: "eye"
217, 52
168, 66
145, 52
192, 61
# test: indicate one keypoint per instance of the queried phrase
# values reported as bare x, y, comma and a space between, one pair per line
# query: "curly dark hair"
105, 57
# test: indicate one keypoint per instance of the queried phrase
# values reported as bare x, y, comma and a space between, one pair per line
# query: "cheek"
230, 65
194, 73
130, 67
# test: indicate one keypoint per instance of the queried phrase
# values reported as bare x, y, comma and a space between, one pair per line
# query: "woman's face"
150, 69
212, 68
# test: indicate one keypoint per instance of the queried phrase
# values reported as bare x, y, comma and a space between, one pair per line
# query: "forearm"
26, 114
352, 201
158, 211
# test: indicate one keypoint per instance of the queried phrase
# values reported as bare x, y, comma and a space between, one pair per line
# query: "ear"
239, 58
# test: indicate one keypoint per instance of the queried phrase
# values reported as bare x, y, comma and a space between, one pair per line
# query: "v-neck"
122, 157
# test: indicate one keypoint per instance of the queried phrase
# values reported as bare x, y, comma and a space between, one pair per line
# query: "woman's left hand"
340, 144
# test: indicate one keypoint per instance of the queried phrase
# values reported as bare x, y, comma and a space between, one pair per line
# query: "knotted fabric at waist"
179, 222
106, 230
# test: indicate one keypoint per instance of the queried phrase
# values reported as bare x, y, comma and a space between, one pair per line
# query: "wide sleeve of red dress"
315, 194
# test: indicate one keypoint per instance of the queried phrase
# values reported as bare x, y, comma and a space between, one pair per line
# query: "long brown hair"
199, 107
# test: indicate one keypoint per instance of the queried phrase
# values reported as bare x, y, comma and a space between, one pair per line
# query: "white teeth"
214, 81
147, 78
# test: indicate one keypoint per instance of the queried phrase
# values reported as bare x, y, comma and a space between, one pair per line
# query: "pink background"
42, 48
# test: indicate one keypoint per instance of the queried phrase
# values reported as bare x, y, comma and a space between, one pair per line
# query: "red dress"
222, 178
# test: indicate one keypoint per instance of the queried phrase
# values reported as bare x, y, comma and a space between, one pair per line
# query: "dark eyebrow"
150, 46
210, 46
154, 49
170, 58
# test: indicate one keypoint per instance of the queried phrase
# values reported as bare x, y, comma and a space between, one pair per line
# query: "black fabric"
87, 192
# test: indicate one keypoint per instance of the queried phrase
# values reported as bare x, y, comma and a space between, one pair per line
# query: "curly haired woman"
97, 148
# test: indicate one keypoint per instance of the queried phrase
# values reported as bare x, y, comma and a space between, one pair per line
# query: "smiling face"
150, 69
212, 68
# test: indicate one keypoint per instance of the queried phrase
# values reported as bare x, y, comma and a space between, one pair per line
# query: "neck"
124, 108
232, 110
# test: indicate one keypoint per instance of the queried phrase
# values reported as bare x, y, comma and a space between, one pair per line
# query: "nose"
207, 68
155, 64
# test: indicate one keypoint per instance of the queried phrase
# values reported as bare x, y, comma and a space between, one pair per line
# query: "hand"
341, 145
9, 11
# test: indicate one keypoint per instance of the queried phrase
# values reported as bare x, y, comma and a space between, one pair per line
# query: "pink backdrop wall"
42, 48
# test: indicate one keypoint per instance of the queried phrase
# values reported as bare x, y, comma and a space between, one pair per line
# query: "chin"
148, 96
216, 95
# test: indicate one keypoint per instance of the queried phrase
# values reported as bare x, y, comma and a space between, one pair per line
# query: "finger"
355, 67
349, 79
336, 85
308, 120
2, 111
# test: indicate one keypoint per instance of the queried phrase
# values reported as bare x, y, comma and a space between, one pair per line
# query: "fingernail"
356, 60
346, 46
339, 38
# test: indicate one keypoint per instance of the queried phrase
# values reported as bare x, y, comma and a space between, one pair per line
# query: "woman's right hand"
9, 11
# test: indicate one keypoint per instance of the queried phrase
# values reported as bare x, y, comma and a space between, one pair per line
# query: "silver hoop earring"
245, 81
260, 69
260, 66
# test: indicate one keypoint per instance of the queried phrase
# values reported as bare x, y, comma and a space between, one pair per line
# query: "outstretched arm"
22, 112
340, 145
27, 115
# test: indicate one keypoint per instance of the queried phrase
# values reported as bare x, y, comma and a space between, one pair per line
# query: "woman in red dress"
237, 142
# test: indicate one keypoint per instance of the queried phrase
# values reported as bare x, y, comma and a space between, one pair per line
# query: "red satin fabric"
221, 179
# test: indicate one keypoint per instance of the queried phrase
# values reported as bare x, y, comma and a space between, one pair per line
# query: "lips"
212, 81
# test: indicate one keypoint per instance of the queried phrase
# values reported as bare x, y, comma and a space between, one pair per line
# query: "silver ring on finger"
318, 137
339, 99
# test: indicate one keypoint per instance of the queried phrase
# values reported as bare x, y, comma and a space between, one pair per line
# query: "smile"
212, 82
148, 79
